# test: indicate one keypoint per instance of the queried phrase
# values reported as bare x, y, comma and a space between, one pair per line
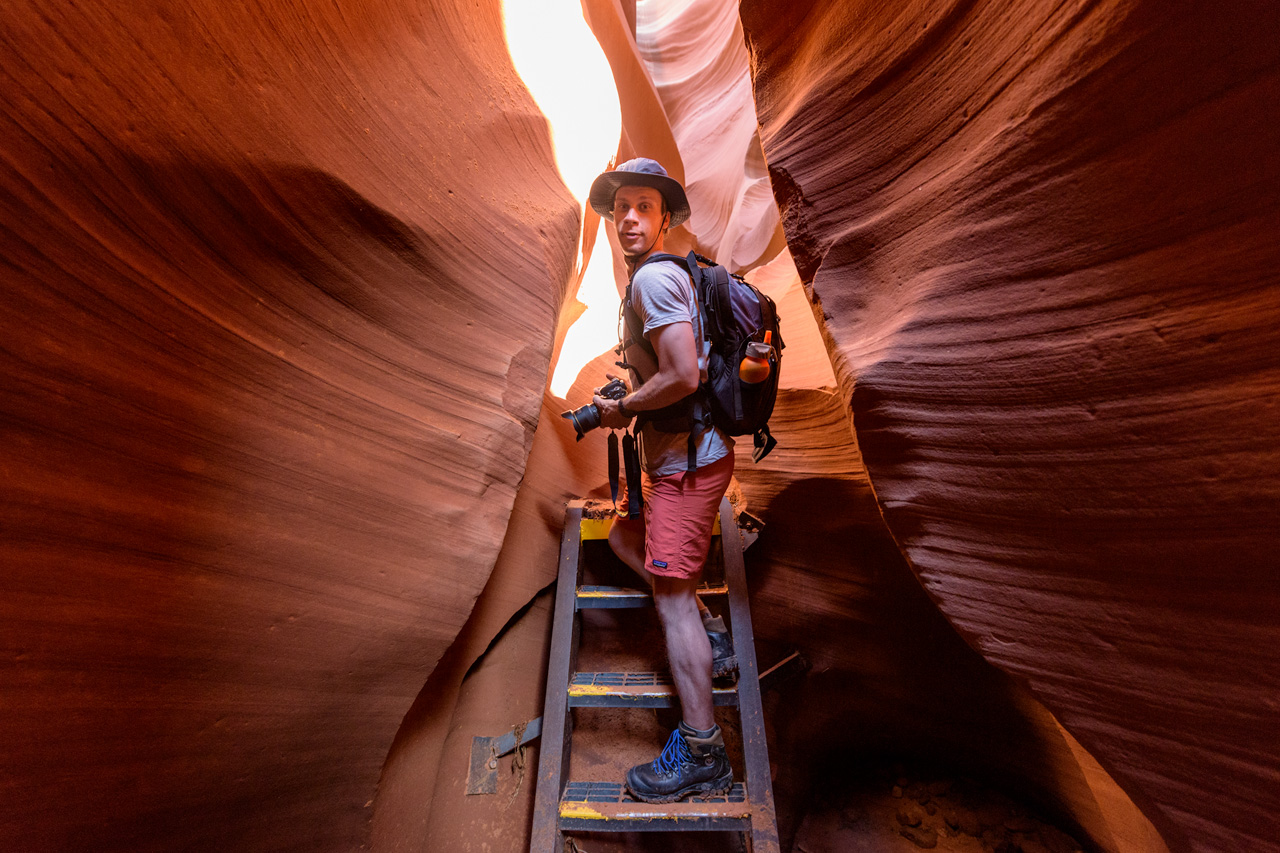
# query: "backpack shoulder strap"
631, 320
630, 331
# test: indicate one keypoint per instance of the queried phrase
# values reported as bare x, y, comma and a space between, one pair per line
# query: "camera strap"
631, 464
631, 459
613, 468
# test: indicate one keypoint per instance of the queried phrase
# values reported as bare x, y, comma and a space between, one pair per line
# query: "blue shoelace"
674, 755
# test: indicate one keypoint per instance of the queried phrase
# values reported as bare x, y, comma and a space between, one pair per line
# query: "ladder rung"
634, 690
611, 597
607, 807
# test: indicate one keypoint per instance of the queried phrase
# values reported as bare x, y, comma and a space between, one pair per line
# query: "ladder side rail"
764, 824
553, 753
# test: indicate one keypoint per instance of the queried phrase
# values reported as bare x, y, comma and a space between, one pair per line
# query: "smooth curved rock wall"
1042, 237
268, 396
695, 56
888, 678
422, 803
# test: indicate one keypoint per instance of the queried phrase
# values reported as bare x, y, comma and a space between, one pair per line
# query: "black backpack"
735, 314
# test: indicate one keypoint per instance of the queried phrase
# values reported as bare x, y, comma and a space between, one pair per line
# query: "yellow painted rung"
596, 528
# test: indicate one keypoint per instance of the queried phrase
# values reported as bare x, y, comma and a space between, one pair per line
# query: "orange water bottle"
755, 366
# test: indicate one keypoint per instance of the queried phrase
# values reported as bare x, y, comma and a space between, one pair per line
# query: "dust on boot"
724, 663
688, 765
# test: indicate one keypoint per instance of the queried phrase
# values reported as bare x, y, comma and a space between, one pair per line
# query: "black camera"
587, 417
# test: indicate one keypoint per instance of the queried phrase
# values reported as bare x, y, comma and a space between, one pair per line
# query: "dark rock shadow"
889, 679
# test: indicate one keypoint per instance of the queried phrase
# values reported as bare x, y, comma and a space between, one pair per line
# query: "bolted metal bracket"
749, 526
482, 774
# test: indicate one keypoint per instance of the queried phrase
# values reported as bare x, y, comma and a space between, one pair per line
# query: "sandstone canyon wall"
268, 393
1042, 238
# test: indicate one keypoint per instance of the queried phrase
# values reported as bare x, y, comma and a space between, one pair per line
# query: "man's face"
638, 217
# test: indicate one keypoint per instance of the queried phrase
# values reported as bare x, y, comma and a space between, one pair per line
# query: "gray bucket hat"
640, 172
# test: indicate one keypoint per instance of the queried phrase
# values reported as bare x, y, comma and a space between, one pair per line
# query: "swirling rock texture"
492, 677
268, 394
1042, 236
281, 290
697, 60
887, 675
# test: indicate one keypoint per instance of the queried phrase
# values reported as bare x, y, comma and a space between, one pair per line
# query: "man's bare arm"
677, 376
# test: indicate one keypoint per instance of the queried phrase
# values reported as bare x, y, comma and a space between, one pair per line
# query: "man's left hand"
610, 416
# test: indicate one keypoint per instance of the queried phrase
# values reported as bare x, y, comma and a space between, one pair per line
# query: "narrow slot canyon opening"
892, 704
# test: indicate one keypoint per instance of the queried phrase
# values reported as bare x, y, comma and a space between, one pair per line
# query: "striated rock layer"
694, 53
1043, 241
421, 803
267, 398
888, 677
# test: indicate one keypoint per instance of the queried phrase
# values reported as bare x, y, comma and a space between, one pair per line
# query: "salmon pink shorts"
679, 512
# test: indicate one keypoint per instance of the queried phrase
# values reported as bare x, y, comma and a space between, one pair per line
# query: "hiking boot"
688, 765
724, 663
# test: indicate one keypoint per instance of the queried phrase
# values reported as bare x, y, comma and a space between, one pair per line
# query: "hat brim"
606, 186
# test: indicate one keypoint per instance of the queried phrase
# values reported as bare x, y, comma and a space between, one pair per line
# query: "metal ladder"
564, 806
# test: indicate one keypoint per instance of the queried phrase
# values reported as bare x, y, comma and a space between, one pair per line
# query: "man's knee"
625, 536
674, 598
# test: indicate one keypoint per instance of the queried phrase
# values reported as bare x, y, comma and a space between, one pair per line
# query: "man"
688, 463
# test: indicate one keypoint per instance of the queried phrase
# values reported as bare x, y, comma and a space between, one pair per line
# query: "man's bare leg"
626, 538
694, 758
679, 611
688, 649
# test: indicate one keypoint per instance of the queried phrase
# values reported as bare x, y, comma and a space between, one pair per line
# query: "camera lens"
584, 419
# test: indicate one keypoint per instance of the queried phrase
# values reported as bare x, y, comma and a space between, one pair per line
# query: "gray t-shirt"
661, 294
